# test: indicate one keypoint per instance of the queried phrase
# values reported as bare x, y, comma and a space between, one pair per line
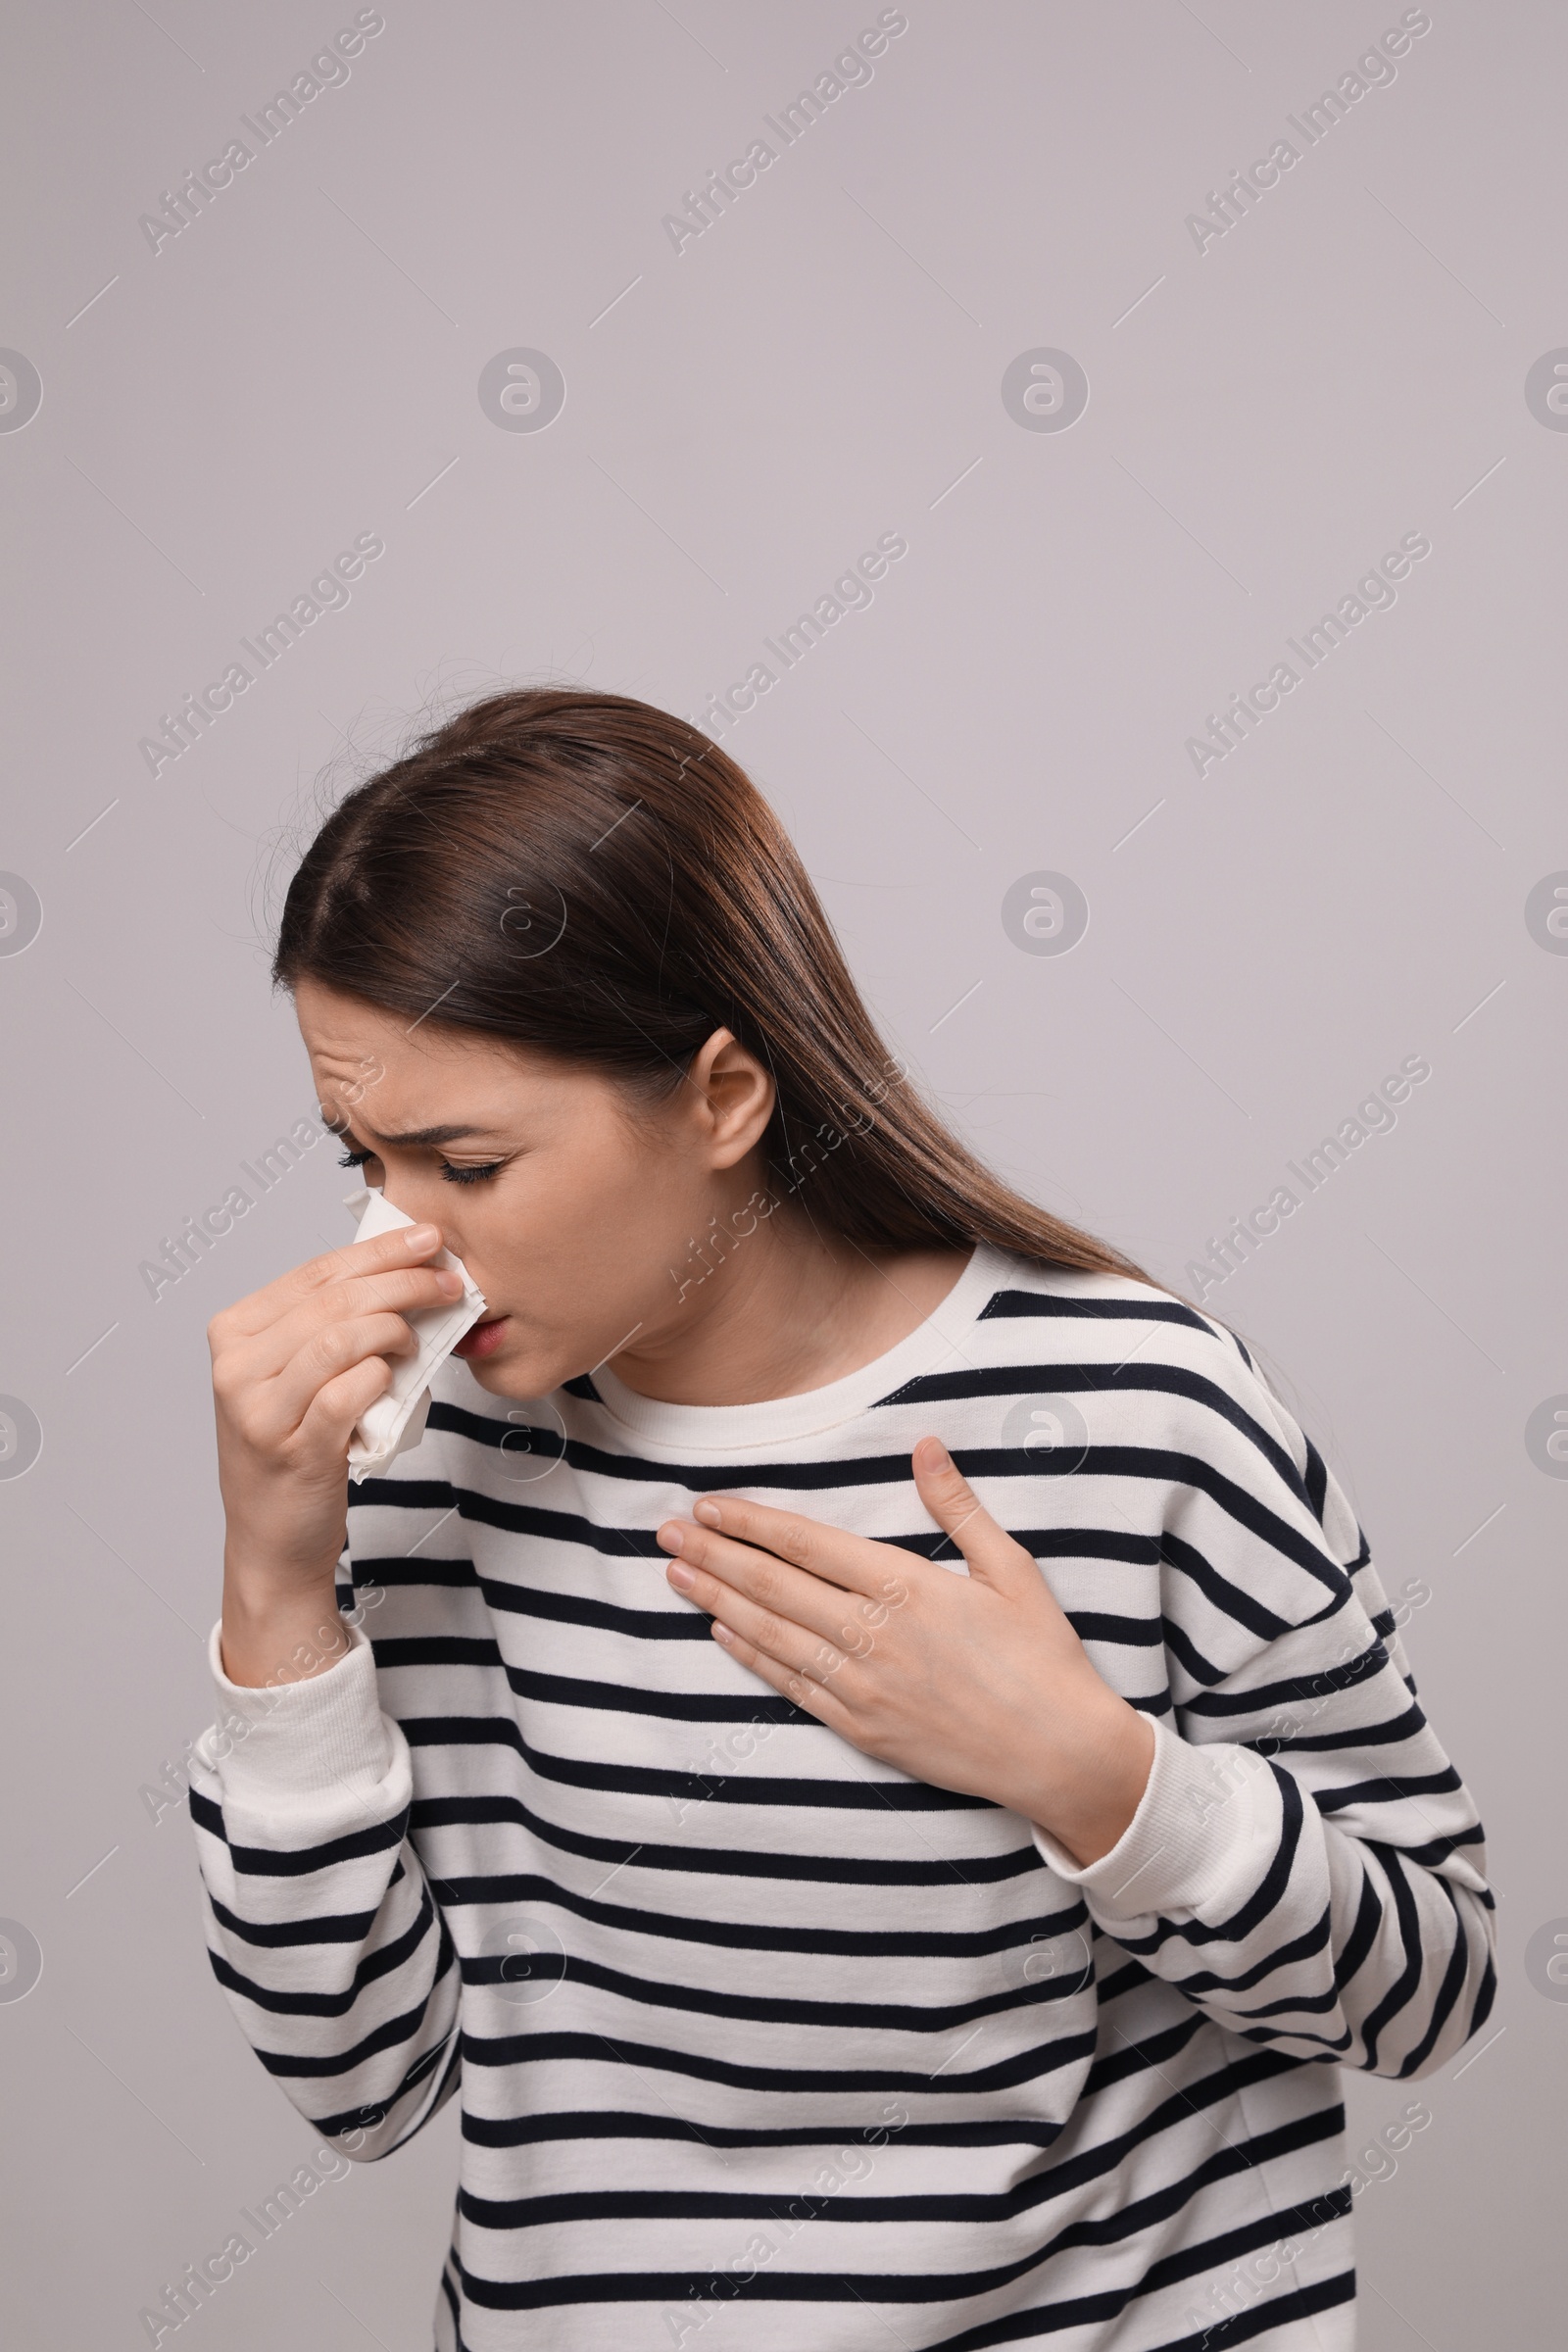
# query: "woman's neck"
790, 1309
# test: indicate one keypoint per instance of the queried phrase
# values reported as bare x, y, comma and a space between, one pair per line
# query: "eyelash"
449, 1174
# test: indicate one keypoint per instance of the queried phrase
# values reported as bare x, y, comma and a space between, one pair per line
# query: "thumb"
990, 1552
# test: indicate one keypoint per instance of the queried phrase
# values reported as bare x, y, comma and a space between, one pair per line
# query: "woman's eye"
453, 1175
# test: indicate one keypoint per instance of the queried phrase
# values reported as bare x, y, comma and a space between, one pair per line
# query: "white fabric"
396, 1420
293, 1755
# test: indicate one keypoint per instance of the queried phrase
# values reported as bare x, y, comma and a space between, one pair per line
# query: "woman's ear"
736, 1094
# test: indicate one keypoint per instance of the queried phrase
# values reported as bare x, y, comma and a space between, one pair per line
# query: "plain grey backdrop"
1280, 389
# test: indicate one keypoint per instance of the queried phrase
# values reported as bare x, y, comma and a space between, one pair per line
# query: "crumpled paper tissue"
396, 1420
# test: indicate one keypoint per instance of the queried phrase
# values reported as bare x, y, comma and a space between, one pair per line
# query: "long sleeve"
1305, 1866
320, 1927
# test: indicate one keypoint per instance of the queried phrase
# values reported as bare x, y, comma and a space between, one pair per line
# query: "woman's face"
572, 1206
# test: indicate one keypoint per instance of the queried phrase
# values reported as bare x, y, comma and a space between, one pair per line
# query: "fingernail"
721, 1632
682, 1577
935, 1453
420, 1237
708, 1513
670, 1537
447, 1281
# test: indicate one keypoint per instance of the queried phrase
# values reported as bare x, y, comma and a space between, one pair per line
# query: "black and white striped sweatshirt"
763, 2046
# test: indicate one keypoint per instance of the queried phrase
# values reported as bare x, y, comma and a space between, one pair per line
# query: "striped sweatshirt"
762, 2045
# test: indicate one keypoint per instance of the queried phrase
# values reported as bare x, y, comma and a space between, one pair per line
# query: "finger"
853, 1561
796, 1618
385, 1252
399, 1292
988, 1550
283, 1402
794, 1648
837, 1613
399, 1287
813, 1696
335, 1408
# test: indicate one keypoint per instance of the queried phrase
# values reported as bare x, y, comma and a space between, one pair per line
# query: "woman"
885, 1771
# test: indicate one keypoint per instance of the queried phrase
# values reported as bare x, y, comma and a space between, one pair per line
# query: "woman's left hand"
976, 1683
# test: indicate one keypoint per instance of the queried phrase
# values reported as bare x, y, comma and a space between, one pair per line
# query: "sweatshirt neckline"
709, 1430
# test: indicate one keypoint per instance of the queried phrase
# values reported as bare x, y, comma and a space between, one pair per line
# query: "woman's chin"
516, 1370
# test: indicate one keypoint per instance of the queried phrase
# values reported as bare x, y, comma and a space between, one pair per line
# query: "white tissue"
396, 1420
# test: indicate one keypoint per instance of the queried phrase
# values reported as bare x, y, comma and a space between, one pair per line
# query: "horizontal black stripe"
277, 1862
675, 1706
283, 1934
382, 1962
1066, 2177
522, 1890
372, 1571
841, 1870
1133, 1378
840, 2081
576, 1529
1382, 1791
390, 2034
352, 2119
1126, 1632
527, 2128
736, 1788
822, 2017
1294, 1690
1389, 1734
685, 1625
1049, 1307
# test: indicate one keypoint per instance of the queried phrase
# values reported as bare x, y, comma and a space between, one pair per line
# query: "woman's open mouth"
484, 1339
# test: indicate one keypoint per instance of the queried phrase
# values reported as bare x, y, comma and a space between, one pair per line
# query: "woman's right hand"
294, 1366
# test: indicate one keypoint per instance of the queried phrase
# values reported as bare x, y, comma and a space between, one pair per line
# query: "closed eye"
456, 1175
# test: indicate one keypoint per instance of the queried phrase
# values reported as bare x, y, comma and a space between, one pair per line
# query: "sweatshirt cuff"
303, 1760
1206, 1827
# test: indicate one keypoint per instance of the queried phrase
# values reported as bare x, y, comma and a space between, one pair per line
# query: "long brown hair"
589, 876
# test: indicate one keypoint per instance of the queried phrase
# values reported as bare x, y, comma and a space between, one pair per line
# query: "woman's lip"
483, 1339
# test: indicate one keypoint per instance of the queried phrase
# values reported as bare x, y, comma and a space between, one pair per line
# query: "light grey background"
742, 418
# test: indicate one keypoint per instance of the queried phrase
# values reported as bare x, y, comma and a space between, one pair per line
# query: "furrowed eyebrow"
419, 1138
